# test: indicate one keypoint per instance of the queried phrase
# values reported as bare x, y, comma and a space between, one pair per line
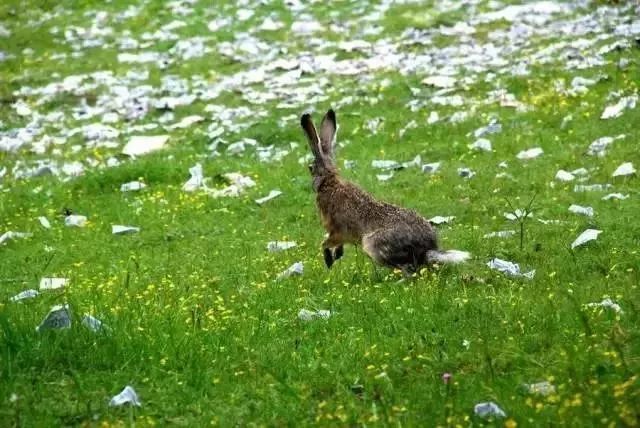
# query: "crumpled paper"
307, 315
509, 268
59, 317
586, 236
128, 395
488, 409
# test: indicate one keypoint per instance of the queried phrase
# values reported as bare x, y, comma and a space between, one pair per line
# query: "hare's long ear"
328, 133
312, 135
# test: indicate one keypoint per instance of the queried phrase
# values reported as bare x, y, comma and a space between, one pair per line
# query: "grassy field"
199, 322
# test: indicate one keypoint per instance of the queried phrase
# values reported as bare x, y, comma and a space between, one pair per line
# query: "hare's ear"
328, 133
312, 135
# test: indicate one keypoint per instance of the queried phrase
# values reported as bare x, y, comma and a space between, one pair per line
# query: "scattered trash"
616, 110
238, 183
606, 303
13, 235
500, 234
275, 246
577, 209
384, 177
132, 186
430, 168
509, 268
517, 214
600, 145
493, 127
118, 229
488, 409
434, 117
591, 187
586, 236
540, 388
128, 395
295, 269
307, 315
440, 219
23, 295
196, 181
75, 220
563, 175
624, 169
59, 317
140, 145
619, 196
386, 164
530, 153
465, 173
272, 194
93, 324
439, 81
481, 144
52, 283
44, 222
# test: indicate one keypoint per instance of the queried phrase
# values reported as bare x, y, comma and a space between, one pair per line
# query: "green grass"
200, 326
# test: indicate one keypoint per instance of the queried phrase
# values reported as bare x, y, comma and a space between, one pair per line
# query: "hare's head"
321, 146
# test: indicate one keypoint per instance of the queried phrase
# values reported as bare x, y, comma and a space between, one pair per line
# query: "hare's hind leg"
335, 243
393, 248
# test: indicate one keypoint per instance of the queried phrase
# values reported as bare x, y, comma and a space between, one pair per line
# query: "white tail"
451, 256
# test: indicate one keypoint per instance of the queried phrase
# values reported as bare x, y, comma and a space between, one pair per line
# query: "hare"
392, 236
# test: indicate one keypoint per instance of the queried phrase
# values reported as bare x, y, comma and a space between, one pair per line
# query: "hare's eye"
310, 168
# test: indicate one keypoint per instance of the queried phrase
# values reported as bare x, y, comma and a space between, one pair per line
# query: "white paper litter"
440, 219
493, 127
132, 186
295, 269
196, 181
127, 396
439, 81
414, 162
591, 187
74, 220
118, 229
619, 196
384, 177
26, 294
517, 214
586, 236
488, 409
307, 315
616, 110
272, 194
530, 153
59, 317
500, 234
52, 283
140, 145
563, 175
13, 235
430, 168
386, 164
578, 209
509, 268
275, 246
186, 122
540, 388
481, 144
44, 222
238, 183
93, 324
606, 303
624, 169
599, 146
465, 173
434, 117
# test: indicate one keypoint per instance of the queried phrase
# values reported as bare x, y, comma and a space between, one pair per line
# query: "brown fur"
390, 235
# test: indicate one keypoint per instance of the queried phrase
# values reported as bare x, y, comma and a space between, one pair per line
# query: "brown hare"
392, 236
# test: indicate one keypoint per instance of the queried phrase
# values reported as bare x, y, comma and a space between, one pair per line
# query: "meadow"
194, 311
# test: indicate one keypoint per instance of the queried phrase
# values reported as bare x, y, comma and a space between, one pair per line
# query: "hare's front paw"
328, 257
